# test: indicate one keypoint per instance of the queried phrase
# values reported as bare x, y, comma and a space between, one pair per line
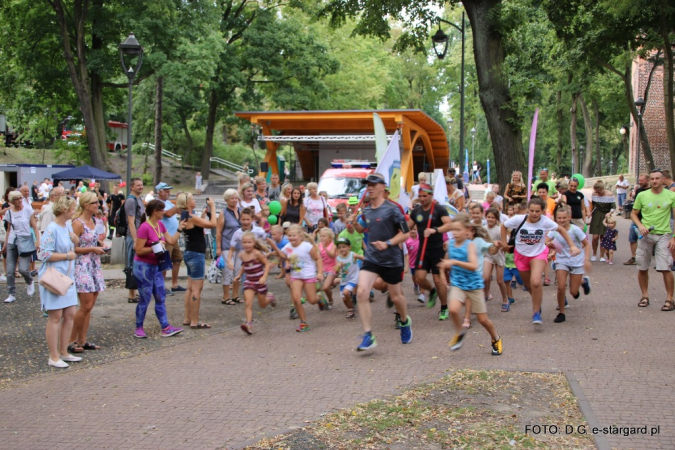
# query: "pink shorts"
523, 262
306, 280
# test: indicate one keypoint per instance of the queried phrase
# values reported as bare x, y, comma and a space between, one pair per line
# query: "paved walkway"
232, 389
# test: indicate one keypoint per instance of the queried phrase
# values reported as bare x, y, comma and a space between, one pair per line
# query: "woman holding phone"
88, 274
194, 255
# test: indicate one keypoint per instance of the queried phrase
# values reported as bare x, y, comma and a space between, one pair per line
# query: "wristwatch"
389, 244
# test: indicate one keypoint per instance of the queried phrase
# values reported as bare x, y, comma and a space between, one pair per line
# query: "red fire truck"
116, 134
343, 179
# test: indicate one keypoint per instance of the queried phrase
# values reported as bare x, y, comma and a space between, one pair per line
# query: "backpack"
121, 223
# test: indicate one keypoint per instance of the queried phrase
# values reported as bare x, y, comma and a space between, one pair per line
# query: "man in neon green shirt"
543, 178
656, 235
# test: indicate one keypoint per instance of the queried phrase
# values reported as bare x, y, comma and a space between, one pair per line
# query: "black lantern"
131, 49
440, 40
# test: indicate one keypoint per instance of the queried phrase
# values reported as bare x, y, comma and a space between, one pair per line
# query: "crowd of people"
369, 245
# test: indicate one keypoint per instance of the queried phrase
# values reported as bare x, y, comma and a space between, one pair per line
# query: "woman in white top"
20, 223
247, 200
422, 178
315, 207
455, 196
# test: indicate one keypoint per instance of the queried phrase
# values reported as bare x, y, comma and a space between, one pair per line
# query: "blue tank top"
466, 280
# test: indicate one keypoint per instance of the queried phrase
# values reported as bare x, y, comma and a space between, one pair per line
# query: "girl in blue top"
467, 282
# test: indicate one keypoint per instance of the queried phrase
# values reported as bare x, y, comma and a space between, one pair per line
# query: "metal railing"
166, 153
230, 166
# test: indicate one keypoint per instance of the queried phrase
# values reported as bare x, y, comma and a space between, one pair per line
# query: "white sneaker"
10, 299
70, 358
593, 258
421, 298
602, 259
60, 364
30, 289
3, 279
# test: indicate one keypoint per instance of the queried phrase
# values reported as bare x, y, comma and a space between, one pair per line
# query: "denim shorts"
195, 263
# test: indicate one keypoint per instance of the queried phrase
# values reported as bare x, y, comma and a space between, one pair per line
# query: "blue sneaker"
512, 300
536, 318
557, 308
406, 331
586, 285
367, 343
513, 284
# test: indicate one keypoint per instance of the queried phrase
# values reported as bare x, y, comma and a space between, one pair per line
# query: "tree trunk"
668, 85
79, 74
598, 150
588, 126
210, 130
559, 143
98, 108
502, 119
159, 98
188, 137
573, 133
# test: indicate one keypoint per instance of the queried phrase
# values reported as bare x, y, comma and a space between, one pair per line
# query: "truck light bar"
352, 164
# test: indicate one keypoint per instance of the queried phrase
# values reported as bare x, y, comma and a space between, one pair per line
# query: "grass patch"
467, 409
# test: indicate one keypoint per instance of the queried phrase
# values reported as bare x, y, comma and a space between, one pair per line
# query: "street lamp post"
450, 139
473, 151
131, 49
640, 103
440, 39
624, 135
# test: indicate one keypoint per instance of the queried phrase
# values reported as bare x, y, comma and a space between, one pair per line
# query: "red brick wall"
653, 118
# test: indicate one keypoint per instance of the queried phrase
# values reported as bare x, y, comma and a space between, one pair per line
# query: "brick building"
653, 117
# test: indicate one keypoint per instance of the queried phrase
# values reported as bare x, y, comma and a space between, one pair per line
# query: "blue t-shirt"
482, 248
466, 280
170, 223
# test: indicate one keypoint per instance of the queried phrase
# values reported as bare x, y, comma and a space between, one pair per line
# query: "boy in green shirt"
355, 238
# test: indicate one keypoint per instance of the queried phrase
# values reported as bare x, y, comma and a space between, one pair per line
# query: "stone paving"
231, 389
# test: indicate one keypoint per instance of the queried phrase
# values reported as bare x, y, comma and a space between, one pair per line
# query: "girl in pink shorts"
531, 253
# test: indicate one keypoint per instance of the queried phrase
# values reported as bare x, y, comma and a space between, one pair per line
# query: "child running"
495, 261
565, 263
467, 283
476, 210
306, 270
608, 244
254, 264
264, 215
347, 269
413, 246
531, 253
327, 250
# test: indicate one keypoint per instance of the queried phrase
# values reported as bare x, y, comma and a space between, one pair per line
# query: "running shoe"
247, 327
513, 284
140, 333
272, 300
559, 318
536, 318
630, 262
323, 303
3, 279
444, 314
422, 298
497, 347
602, 260
294, 313
406, 331
593, 258
457, 340
302, 327
433, 295
397, 321
367, 343
170, 331
303, 300
390, 303
512, 300
30, 289
372, 295
10, 299
586, 285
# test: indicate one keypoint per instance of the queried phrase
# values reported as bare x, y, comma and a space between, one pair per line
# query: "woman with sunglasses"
21, 221
455, 196
88, 273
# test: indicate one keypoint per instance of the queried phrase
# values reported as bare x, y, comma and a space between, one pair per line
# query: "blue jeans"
130, 253
195, 263
621, 198
150, 282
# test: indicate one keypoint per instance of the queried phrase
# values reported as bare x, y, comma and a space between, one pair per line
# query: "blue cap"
161, 186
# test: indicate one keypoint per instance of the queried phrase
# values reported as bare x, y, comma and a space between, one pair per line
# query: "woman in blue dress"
57, 251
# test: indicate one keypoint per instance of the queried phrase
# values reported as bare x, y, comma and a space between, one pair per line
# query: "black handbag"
514, 233
130, 282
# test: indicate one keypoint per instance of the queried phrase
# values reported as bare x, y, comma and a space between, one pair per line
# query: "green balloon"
580, 178
275, 207
272, 220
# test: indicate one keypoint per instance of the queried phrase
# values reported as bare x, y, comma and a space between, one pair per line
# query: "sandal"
90, 346
668, 306
75, 348
200, 326
237, 300
506, 306
132, 300
466, 324
350, 313
547, 282
186, 323
229, 301
644, 302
